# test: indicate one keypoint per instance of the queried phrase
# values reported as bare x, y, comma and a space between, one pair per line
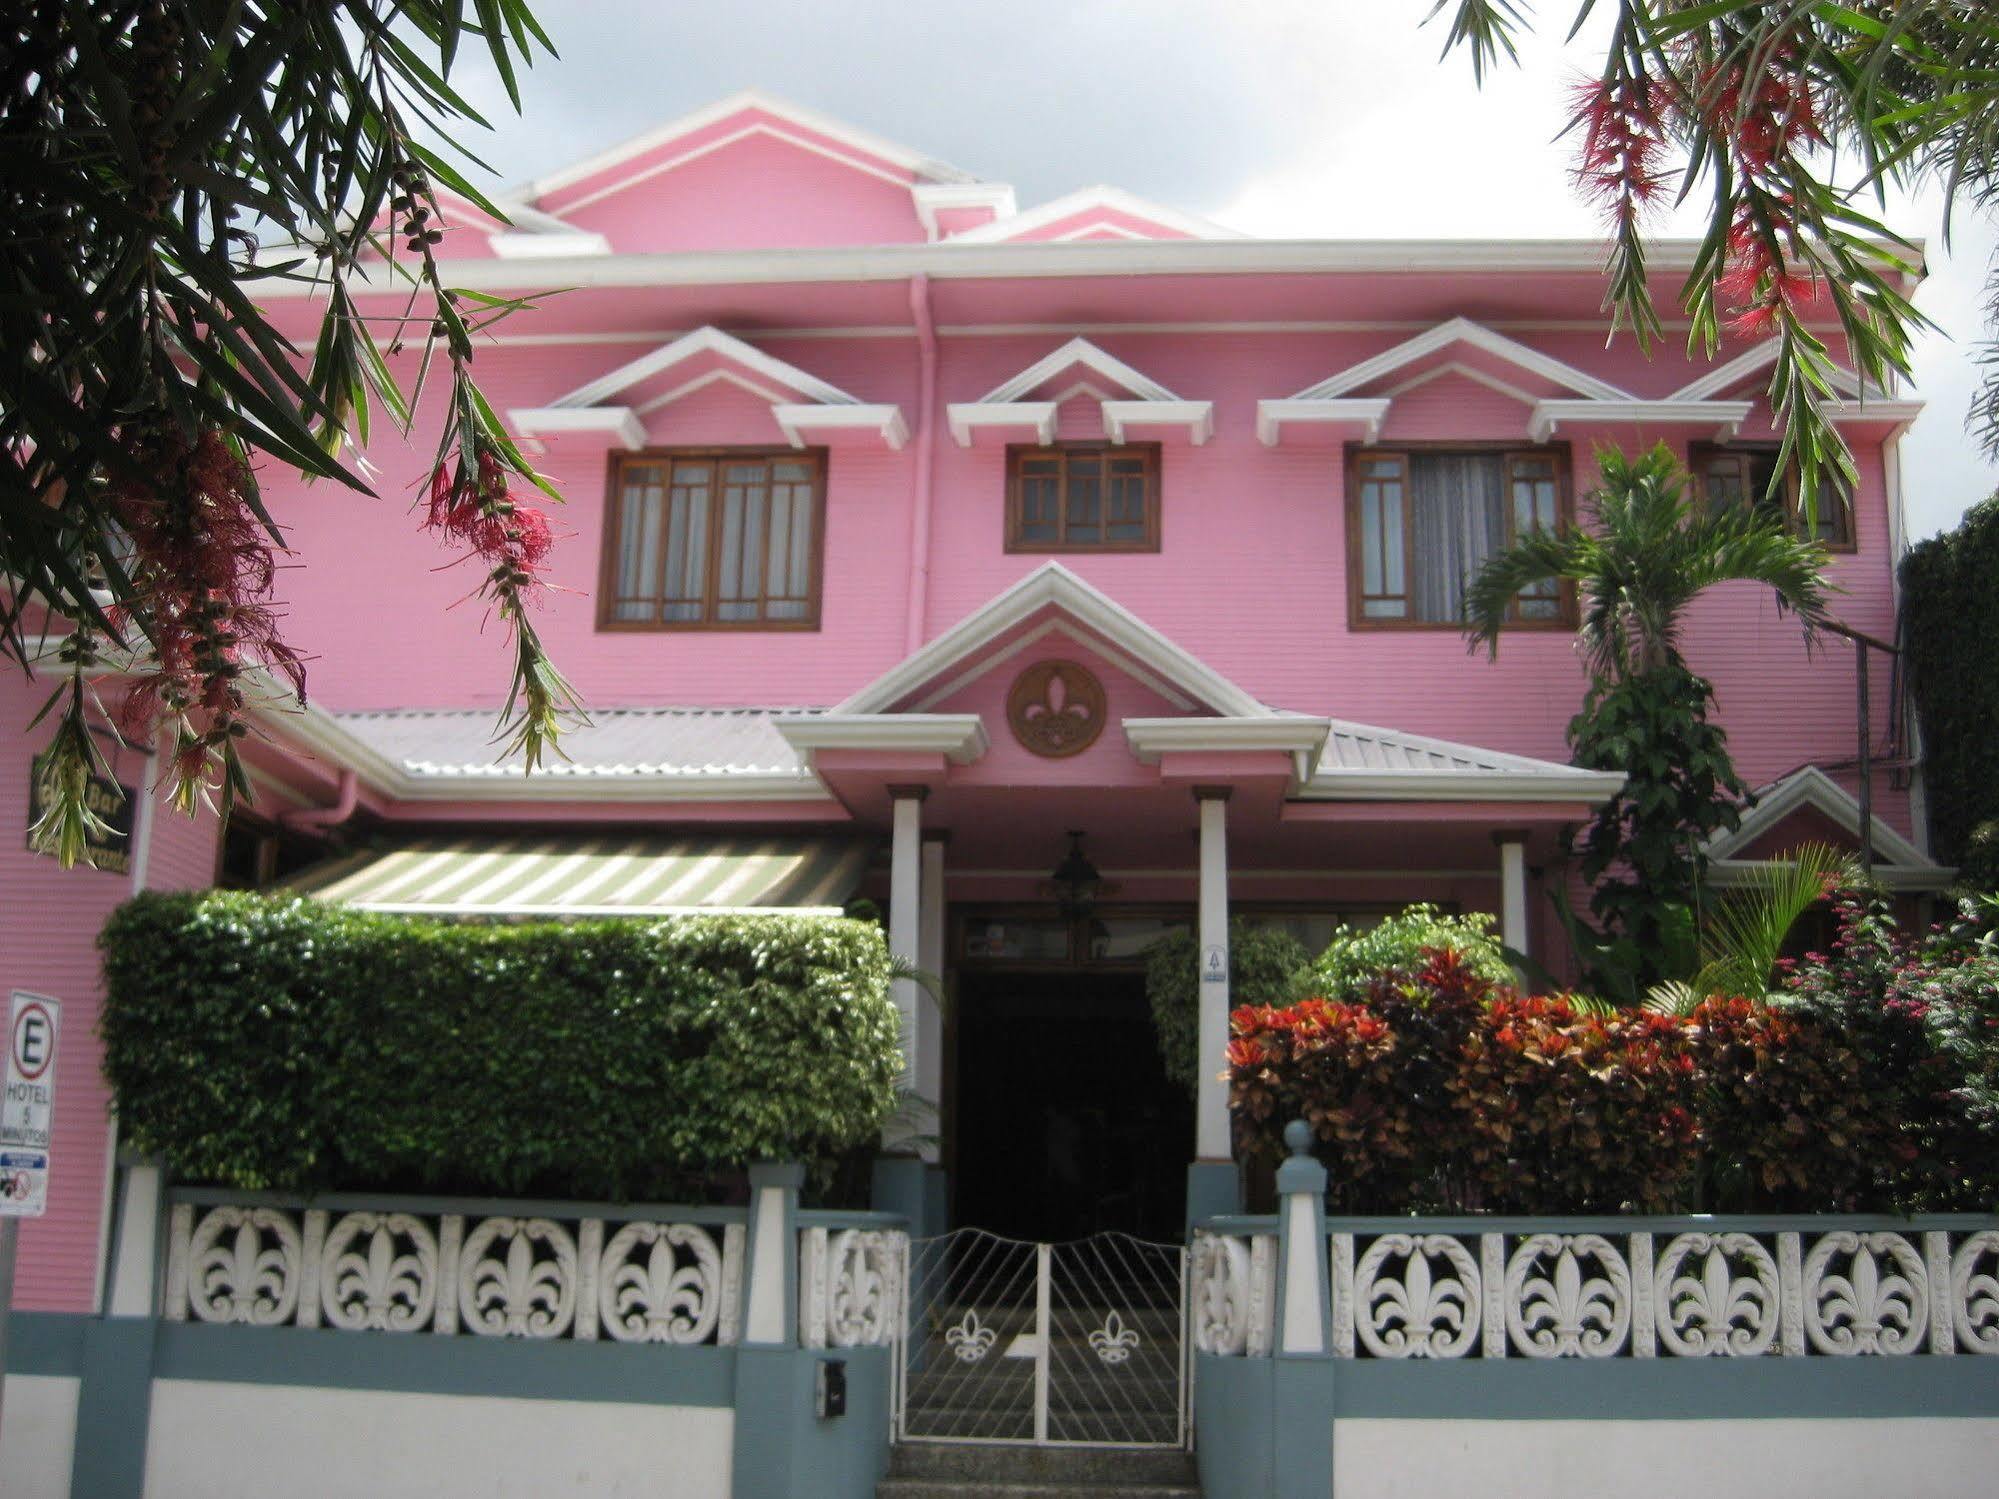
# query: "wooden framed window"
1083, 497
1744, 475
1422, 521
721, 540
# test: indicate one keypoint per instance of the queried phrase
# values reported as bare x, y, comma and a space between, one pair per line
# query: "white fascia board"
546, 245
807, 119
1053, 586
1299, 737
1727, 874
1726, 376
1898, 413
1725, 417
1332, 784
1085, 200
1463, 330
1196, 417
621, 422
967, 417
707, 340
511, 784
934, 196
1366, 416
884, 421
959, 737
1812, 787
1079, 351
956, 260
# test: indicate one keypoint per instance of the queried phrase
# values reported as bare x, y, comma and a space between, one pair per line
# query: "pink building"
910, 531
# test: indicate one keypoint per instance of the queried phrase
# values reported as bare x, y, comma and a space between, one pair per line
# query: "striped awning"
609, 874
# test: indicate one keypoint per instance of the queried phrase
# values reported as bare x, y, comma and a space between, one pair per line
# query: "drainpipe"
926, 447
318, 819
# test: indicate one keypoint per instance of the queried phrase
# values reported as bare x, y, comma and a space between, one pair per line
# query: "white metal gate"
1008, 1341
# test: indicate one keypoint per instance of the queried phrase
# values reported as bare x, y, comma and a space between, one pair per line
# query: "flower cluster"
202, 567
1621, 162
470, 503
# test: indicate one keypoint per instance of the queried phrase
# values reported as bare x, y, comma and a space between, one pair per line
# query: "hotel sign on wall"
111, 849
27, 1107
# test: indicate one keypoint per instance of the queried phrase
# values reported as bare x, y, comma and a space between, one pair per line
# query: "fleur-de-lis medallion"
969, 1341
1114, 1341
1056, 709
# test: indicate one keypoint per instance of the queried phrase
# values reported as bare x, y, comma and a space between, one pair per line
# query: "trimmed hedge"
1950, 619
277, 1043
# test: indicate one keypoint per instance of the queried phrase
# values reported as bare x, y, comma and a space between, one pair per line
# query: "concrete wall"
225, 1440
1718, 1459
37, 1435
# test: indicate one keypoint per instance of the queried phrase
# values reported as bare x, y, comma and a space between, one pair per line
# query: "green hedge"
1950, 622
278, 1043
1266, 967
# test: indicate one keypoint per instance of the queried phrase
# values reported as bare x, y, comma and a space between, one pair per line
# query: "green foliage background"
1267, 966
276, 1043
1950, 633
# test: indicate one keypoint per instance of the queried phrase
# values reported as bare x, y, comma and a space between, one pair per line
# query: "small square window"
1083, 497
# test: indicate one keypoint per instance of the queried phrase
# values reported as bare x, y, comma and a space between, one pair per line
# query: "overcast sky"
1329, 118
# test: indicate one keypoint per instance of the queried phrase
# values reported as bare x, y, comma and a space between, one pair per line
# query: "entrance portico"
1054, 709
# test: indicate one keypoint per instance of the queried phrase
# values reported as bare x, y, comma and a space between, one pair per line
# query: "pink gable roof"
748, 173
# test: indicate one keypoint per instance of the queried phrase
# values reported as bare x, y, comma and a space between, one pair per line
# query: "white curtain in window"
1458, 510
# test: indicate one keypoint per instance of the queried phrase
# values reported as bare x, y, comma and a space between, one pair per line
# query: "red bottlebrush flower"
1623, 143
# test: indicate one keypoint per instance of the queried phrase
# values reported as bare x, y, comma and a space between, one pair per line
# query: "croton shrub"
278, 1043
1869, 1086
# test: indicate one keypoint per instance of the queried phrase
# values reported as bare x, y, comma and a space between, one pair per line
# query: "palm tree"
1649, 553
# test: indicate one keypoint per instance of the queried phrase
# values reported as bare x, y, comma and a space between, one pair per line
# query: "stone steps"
942, 1470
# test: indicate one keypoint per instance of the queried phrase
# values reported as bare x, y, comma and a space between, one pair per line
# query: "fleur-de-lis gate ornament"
1056, 709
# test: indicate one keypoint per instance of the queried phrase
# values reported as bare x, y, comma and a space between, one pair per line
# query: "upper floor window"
1083, 497
1421, 523
1744, 476
714, 540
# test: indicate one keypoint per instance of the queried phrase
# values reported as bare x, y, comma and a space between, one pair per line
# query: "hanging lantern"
1075, 883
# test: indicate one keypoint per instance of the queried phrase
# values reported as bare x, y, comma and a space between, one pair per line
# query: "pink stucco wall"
1251, 575
49, 920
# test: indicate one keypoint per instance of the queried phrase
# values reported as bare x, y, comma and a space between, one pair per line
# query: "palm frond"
1745, 932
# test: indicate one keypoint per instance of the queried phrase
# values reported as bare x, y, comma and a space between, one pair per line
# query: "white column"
1513, 890
905, 885
137, 1250
929, 1071
1211, 1132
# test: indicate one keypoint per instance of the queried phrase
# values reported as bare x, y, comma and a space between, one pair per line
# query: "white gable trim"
1725, 377
1079, 351
806, 119
1469, 372
709, 340
966, 417
800, 422
702, 382
932, 197
1155, 406
959, 737
1095, 613
1272, 417
1812, 787
1724, 416
985, 664
1463, 330
548, 421
549, 244
1095, 199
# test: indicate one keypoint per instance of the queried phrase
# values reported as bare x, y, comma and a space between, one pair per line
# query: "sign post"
27, 1108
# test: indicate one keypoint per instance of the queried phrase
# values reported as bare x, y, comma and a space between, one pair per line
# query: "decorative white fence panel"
1730, 1289
495, 1275
850, 1286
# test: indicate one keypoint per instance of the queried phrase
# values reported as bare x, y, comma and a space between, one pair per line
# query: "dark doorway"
1066, 1124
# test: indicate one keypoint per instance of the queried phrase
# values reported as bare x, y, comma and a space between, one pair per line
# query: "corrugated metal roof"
617, 741
1365, 748
486, 874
